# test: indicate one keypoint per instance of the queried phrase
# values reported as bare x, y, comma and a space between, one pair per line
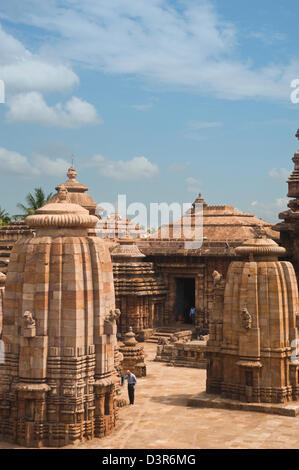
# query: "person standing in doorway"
132, 381
192, 315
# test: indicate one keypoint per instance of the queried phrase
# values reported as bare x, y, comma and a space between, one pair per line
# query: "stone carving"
217, 277
163, 340
110, 321
29, 325
62, 193
246, 318
29, 321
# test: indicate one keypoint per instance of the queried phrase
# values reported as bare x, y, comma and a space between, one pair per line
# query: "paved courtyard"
161, 419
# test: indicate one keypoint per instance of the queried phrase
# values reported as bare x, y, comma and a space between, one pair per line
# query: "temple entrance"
185, 298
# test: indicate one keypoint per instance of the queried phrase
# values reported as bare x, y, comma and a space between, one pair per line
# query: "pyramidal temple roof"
223, 223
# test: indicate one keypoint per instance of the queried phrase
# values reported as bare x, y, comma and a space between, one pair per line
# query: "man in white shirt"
132, 381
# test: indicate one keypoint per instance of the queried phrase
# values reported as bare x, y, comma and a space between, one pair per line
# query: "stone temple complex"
174, 277
73, 282
59, 329
188, 272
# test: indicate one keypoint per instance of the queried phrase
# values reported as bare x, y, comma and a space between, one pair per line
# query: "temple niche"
253, 328
59, 329
140, 292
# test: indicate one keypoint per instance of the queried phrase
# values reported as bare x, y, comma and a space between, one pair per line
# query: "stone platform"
204, 400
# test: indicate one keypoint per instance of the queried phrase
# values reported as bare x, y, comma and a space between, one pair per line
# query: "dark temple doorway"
185, 298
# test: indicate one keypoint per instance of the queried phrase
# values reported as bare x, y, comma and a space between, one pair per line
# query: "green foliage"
33, 202
4, 217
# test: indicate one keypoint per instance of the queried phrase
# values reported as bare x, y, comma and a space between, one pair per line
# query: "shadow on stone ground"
172, 400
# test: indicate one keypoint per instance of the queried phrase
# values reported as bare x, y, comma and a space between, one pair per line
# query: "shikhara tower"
59, 329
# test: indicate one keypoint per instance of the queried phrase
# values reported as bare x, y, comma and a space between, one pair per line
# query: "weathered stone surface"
183, 353
140, 291
250, 346
57, 381
224, 228
77, 192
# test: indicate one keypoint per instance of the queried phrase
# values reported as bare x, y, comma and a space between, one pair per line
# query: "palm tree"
34, 202
4, 217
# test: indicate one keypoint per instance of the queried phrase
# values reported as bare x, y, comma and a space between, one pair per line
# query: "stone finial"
130, 339
72, 173
199, 200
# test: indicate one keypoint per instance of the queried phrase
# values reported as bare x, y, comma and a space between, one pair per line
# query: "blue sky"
157, 99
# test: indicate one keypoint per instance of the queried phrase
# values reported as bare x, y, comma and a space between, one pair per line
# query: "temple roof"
126, 250
116, 226
221, 223
61, 214
77, 192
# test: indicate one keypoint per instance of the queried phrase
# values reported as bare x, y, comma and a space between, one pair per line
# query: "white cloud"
184, 45
199, 125
270, 210
196, 130
134, 169
193, 185
178, 167
282, 174
142, 107
31, 107
22, 70
45, 165
14, 163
